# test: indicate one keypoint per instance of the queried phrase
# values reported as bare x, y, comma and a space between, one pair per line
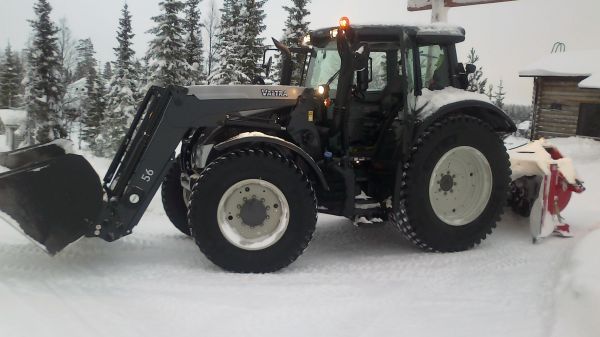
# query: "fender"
259, 137
487, 112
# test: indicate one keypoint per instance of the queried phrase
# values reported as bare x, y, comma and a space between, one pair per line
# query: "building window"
589, 120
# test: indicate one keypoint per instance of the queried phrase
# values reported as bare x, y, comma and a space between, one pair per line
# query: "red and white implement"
543, 182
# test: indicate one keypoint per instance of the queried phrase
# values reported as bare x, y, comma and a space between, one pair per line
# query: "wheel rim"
460, 186
253, 214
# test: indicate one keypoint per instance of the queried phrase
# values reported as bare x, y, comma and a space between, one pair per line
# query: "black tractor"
378, 129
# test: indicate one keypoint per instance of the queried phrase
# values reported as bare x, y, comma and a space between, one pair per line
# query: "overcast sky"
507, 36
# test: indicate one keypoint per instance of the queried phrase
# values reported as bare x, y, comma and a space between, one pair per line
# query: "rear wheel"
454, 186
252, 211
174, 198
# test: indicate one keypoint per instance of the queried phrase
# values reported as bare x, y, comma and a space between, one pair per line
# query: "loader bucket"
54, 199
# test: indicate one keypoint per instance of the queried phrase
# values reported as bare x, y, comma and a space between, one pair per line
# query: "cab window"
379, 75
435, 72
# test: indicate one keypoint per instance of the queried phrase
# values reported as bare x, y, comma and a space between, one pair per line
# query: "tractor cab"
375, 73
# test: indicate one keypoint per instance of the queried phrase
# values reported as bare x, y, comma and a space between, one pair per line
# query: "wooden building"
566, 95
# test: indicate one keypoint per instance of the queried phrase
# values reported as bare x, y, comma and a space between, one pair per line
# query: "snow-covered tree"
86, 62
93, 120
296, 27
211, 25
121, 102
193, 40
499, 95
44, 88
490, 92
477, 83
11, 76
107, 72
143, 74
229, 40
251, 43
166, 55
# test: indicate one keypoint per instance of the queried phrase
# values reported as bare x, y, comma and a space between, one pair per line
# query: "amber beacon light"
344, 23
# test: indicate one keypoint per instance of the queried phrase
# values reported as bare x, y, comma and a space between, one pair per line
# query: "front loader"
379, 130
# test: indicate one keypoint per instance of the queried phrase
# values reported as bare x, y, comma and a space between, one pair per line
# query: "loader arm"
142, 160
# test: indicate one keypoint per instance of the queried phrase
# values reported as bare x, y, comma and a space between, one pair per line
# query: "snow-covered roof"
13, 117
584, 63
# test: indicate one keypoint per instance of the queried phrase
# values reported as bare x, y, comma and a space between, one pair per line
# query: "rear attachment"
543, 181
50, 195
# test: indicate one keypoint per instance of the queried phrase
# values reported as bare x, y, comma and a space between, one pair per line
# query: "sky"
507, 36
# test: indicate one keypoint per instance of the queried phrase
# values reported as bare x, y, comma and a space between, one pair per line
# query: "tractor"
377, 128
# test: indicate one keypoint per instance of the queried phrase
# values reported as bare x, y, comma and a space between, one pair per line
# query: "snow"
578, 294
431, 101
569, 64
351, 281
526, 125
13, 117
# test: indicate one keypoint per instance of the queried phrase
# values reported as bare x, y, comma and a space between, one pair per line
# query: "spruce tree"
476, 81
86, 62
228, 46
296, 27
251, 44
44, 89
107, 73
121, 103
499, 95
166, 55
193, 40
11, 77
93, 119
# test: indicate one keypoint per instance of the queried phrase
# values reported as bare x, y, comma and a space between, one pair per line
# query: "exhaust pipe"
52, 196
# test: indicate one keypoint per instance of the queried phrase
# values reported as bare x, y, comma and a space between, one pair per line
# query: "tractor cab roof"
423, 34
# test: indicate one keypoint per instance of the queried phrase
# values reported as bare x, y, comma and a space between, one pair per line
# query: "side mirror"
267, 66
363, 64
470, 68
462, 75
362, 80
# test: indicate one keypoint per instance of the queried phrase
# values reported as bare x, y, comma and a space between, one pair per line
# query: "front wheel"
175, 198
454, 185
252, 211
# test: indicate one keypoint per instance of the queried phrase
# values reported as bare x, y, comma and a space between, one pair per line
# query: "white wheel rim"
460, 186
241, 209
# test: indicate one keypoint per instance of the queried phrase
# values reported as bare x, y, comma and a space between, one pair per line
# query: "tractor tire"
252, 211
454, 185
173, 199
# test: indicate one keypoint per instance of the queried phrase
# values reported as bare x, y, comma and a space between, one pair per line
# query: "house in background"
566, 94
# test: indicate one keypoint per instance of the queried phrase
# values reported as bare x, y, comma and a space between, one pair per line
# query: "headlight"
323, 91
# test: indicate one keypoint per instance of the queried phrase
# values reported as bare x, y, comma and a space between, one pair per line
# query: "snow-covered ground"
350, 282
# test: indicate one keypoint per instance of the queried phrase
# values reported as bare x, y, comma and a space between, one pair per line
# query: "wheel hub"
447, 182
460, 186
253, 212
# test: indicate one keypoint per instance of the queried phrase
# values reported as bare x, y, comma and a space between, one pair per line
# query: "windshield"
324, 63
